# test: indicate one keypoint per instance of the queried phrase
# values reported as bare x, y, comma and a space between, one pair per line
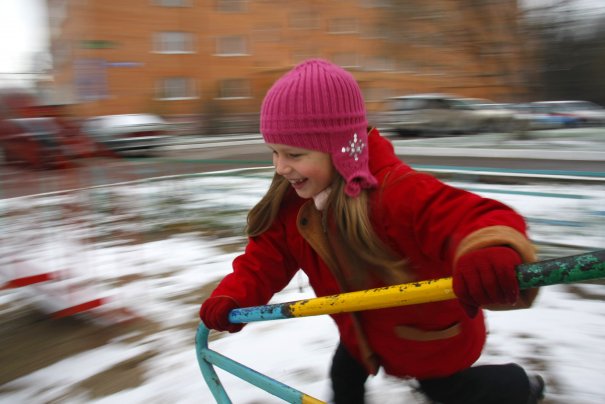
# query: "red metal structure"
41, 136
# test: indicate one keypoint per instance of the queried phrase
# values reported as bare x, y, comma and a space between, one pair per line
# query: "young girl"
343, 208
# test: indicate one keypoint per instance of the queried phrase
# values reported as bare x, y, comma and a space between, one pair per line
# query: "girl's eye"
294, 155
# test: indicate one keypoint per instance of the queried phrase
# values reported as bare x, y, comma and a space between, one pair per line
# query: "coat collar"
382, 153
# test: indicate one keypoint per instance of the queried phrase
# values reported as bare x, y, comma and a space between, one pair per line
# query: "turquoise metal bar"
260, 313
207, 358
575, 173
212, 379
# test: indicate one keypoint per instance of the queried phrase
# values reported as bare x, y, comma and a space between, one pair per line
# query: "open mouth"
297, 183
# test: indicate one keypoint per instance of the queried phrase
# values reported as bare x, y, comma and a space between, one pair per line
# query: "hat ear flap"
352, 163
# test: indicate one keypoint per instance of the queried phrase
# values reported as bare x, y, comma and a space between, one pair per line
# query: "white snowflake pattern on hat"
355, 147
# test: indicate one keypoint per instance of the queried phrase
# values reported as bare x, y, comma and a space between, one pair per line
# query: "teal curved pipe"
206, 358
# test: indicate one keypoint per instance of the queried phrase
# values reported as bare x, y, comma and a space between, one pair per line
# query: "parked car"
493, 117
33, 143
129, 133
537, 117
585, 113
434, 113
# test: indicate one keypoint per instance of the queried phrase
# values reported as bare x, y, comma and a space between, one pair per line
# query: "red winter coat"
424, 220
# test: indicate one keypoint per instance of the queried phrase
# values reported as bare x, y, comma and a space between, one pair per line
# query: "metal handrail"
571, 269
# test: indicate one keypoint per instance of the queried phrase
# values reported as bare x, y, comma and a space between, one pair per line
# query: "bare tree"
482, 39
522, 50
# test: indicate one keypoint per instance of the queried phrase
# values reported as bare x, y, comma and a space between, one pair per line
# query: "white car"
129, 133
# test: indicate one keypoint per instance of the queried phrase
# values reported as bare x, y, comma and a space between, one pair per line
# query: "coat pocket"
416, 334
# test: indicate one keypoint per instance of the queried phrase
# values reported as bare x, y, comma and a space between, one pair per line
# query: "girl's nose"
281, 167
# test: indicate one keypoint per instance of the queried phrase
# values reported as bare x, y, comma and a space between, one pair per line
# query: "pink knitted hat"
318, 106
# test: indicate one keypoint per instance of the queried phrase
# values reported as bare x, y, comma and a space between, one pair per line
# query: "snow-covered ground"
157, 247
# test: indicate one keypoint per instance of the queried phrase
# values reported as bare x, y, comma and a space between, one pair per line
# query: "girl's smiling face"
308, 171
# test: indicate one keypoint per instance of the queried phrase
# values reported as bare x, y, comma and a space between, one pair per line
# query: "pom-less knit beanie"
318, 105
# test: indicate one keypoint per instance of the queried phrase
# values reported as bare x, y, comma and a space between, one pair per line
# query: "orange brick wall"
130, 25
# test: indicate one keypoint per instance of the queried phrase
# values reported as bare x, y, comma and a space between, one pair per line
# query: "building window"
57, 14
61, 53
375, 31
377, 94
343, 26
90, 79
232, 6
234, 88
375, 3
173, 42
231, 46
300, 55
172, 3
346, 59
176, 88
379, 63
98, 44
408, 66
304, 20
267, 33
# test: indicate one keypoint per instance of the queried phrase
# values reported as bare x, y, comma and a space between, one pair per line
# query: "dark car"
129, 133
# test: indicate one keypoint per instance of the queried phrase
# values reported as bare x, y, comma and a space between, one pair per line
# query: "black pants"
348, 378
485, 384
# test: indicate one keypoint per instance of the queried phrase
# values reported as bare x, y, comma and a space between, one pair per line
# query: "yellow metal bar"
305, 399
380, 298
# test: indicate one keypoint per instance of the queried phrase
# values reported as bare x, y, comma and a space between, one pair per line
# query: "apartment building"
182, 57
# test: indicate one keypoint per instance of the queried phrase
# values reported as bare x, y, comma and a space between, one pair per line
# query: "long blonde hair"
353, 221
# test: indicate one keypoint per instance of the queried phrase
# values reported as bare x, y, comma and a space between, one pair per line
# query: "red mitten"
486, 276
215, 313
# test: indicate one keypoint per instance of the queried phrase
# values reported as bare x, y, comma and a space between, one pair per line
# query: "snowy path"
158, 247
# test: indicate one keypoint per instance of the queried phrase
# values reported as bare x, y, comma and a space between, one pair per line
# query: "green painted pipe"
574, 268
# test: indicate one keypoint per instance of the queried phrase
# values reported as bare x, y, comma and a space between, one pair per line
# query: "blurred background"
210, 63
130, 154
